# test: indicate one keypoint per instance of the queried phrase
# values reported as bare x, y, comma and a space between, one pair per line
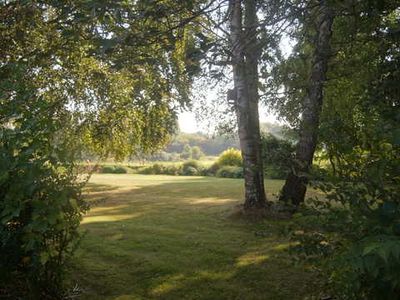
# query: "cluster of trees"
187, 153
191, 152
197, 145
209, 145
108, 77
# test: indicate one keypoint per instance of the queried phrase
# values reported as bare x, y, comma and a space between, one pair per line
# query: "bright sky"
188, 124
187, 120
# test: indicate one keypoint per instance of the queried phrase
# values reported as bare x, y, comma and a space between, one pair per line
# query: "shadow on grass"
173, 240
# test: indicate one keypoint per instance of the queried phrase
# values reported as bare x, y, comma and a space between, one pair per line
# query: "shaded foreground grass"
167, 237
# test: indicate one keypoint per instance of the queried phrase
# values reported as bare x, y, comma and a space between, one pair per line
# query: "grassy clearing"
167, 237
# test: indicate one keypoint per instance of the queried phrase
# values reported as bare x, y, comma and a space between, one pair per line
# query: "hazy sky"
187, 121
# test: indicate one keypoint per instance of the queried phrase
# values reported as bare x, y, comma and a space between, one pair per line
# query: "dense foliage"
277, 156
230, 172
230, 157
40, 207
94, 79
356, 227
76, 78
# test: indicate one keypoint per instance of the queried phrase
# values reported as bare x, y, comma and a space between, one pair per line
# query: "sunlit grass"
251, 258
173, 237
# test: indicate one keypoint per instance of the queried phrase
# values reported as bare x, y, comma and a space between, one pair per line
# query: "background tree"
359, 135
186, 152
197, 153
296, 183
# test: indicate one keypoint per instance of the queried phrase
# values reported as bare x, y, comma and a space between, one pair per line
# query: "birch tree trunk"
295, 186
243, 35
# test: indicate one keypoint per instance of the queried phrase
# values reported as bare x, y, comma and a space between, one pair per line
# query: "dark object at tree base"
294, 190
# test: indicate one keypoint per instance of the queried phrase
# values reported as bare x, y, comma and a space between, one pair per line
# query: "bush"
190, 168
204, 171
146, 170
40, 211
152, 170
190, 163
359, 223
190, 171
113, 169
230, 157
120, 170
230, 172
213, 169
277, 156
159, 169
172, 170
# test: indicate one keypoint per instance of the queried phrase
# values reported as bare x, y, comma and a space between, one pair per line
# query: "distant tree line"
215, 145
208, 145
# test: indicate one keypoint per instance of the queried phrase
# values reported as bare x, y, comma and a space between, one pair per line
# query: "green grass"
168, 237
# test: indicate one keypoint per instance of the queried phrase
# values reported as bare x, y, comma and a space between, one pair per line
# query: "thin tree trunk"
296, 183
245, 77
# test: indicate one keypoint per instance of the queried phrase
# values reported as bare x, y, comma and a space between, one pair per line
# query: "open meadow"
174, 237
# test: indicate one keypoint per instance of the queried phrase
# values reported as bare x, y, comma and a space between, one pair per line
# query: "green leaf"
369, 249
44, 258
74, 204
384, 253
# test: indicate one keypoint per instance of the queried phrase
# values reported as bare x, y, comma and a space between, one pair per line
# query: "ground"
174, 237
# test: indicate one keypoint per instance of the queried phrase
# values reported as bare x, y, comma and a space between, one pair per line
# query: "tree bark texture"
295, 186
245, 54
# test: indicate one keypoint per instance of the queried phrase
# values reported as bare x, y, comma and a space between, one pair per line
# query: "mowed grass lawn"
172, 237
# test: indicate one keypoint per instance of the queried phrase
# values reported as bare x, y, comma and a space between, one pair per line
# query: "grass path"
165, 237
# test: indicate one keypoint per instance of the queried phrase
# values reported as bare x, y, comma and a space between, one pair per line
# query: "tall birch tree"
245, 55
296, 183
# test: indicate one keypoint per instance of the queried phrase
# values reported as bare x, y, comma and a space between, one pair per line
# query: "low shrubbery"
190, 171
230, 172
160, 169
172, 170
356, 229
191, 168
228, 164
230, 157
113, 169
212, 170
